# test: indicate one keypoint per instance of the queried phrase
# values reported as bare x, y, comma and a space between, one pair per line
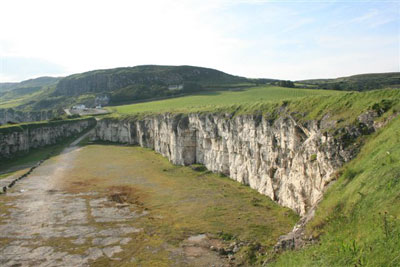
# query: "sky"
260, 39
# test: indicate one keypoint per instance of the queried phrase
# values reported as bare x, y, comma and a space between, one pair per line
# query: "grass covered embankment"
210, 101
343, 108
358, 221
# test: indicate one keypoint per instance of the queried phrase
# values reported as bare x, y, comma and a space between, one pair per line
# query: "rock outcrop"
290, 162
16, 116
20, 139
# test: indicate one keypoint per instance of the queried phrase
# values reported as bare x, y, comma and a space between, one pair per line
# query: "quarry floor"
110, 205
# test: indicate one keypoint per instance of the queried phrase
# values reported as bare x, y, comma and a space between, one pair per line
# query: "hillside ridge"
144, 81
357, 82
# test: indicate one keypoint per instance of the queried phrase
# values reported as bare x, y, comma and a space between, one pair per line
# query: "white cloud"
267, 40
365, 17
298, 24
90, 34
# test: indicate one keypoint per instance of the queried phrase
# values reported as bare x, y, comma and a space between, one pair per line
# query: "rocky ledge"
21, 138
288, 161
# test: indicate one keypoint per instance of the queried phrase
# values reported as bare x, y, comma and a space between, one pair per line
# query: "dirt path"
45, 223
43, 226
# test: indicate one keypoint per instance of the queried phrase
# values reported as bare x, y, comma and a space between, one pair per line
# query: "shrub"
313, 157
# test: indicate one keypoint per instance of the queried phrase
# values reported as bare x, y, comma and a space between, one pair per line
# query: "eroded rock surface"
21, 140
17, 116
290, 162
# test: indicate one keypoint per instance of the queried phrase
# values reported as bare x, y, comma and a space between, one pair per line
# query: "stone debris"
94, 253
10, 181
122, 230
106, 241
79, 241
201, 246
110, 251
125, 240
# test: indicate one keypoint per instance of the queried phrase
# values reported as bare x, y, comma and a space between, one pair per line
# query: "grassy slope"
11, 100
215, 100
304, 105
346, 107
19, 93
359, 219
361, 82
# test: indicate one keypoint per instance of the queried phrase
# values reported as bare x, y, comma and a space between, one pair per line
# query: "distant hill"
17, 90
147, 81
119, 85
31, 83
14, 95
6, 86
361, 82
150, 82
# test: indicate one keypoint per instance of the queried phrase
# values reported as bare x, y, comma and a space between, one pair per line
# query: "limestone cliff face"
22, 139
10, 115
289, 162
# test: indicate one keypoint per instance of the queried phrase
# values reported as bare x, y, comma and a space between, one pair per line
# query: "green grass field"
14, 102
302, 104
214, 100
11, 99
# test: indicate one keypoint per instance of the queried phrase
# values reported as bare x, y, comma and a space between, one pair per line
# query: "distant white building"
102, 100
79, 107
175, 87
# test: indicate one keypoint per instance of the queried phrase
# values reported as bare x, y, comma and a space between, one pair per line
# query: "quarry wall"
22, 138
16, 116
292, 163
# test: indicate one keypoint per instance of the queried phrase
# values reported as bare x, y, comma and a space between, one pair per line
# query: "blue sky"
271, 39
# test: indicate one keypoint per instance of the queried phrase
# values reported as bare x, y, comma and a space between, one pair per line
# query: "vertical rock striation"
16, 116
289, 162
22, 138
